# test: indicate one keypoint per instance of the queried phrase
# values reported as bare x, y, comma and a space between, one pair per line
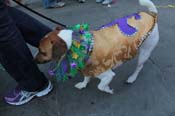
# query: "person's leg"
31, 29
53, 3
16, 57
48, 3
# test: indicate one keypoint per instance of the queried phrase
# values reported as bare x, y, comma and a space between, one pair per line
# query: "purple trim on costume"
123, 24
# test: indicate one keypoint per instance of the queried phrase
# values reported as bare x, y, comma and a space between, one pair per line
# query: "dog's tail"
149, 4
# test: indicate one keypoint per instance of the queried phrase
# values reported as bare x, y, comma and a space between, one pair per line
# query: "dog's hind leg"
106, 78
145, 52
83, 84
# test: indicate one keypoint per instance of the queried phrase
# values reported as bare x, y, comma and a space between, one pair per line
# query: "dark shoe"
81, 1
20, 97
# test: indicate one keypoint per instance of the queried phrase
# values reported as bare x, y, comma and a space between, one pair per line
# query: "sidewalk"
151, 95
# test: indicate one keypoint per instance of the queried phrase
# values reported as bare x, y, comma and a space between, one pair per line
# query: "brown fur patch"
51, 47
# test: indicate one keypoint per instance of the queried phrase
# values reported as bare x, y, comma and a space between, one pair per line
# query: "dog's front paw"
106, 89
131, 80
80, 85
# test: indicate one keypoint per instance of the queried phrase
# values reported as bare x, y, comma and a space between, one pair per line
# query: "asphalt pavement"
153, 94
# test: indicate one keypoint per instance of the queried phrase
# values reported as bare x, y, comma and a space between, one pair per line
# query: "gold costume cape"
112, 47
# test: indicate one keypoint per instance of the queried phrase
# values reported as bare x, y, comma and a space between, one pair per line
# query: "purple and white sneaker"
20, 97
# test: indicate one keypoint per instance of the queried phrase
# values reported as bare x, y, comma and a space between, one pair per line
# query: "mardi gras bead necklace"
75, 58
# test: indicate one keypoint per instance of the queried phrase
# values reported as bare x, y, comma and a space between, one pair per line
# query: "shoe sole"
38, 94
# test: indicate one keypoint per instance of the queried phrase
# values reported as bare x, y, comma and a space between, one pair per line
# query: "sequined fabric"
112, 47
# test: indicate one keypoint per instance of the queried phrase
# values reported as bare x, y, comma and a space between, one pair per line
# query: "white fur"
145, 52
83, 84
105, 78
66, 35
149, 4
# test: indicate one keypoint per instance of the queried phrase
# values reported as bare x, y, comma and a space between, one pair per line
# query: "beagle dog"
113, 44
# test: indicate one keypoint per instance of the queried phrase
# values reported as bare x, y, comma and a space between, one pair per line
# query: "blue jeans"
49, 3
17, 28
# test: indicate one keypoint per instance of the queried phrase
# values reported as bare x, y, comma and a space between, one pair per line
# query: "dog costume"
107, 47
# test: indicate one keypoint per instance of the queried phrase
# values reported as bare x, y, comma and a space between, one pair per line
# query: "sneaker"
60, 4
105, 2
99, 1
20, 97
57, 5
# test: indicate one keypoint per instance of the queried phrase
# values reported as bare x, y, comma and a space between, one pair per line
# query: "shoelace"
25, 94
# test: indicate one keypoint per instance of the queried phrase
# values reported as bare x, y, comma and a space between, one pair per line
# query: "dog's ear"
59, 49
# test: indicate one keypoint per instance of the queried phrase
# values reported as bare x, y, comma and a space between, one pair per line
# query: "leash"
39, 14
